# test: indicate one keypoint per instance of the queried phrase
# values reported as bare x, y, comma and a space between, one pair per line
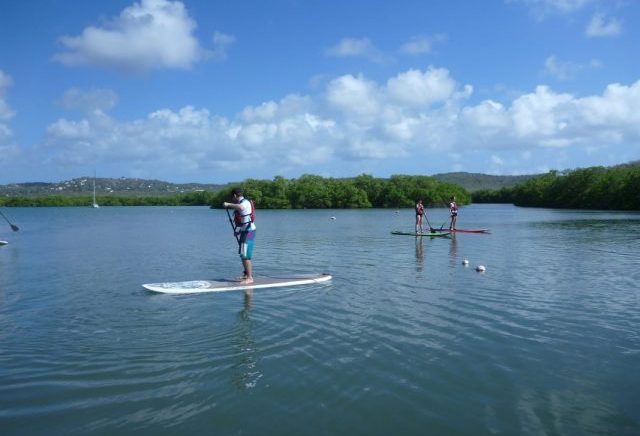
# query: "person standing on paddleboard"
453, 211
419, 215
244, 227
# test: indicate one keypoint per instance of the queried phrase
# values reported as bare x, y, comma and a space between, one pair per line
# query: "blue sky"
220, 91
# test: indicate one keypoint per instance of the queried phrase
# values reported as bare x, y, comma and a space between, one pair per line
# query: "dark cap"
237, 191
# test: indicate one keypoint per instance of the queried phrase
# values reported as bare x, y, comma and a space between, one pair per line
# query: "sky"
220, 91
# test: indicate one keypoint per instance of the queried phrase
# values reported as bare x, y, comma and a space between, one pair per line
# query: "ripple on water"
546, 341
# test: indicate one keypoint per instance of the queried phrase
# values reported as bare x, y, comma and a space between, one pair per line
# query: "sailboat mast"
95, 205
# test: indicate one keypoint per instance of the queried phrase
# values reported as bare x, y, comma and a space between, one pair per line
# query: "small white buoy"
481, 268
465, 262
333, 217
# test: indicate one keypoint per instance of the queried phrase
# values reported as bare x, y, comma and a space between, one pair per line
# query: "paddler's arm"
231, 205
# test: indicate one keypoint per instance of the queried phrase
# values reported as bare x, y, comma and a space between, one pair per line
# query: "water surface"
404, 340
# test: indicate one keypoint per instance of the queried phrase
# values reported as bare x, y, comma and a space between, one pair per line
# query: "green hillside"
476, 181
104, 186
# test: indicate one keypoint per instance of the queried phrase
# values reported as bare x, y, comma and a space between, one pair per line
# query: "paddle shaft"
432, 228
425, 217
235, 234
13, 226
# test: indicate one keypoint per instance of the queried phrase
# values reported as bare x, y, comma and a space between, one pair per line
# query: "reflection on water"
248, 297
245, 372
419, 254
546, 342
453, 251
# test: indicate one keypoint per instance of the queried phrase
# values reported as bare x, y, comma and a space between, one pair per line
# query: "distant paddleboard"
432, 234
462, 230
3, 242
198, 286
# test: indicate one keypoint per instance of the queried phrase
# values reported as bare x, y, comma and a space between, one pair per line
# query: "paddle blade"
14, 227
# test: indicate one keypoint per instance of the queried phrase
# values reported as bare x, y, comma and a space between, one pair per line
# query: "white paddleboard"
3, 242
197, 286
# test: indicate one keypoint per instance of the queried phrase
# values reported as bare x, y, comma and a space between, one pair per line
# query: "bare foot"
246, 281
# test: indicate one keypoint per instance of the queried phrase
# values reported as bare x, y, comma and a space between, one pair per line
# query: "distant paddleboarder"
453, 211
419, 215
244, 229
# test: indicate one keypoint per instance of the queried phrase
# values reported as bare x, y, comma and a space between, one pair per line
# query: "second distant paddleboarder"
453, 211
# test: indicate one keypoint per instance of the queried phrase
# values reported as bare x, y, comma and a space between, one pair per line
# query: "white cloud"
359, 120
5, 134
497, 160
547, 119
353, 47
488, 116
266, 111
10, 152
539, 114
566, 70
89, 100
419, 45
291, 105
151, 34
557, 69
6, 113
5, 83
564, 6
541, 8
221, 44
602, 26
618, 108
417, 88
70, 130
354, 95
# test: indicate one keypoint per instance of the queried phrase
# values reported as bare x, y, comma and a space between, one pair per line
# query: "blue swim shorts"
246, 244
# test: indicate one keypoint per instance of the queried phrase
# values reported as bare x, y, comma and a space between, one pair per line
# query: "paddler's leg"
246, 250
248, 268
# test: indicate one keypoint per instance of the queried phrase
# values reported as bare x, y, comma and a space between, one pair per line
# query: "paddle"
445, 221
431, 229
235, 234
13, 226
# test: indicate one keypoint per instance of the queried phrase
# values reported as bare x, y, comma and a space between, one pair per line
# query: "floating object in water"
481, 268
465, 262
333, 217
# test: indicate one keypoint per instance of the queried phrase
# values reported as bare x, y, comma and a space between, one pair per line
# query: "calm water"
404, 340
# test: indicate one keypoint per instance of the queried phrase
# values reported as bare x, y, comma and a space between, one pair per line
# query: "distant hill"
632, 164
143, 187
104, 186
475, 181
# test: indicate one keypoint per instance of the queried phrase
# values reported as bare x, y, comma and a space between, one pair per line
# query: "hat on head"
237, 191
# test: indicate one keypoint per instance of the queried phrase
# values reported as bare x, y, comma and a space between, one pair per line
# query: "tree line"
306, 192
614, 188
190, 199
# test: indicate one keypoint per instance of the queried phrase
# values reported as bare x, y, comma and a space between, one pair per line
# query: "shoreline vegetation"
601, 188
593, 188
306, 192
